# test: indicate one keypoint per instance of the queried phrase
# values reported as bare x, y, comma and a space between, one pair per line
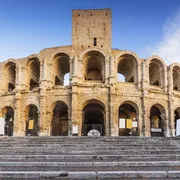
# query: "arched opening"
33, 65
127, 69
60, 120
93, 119
128, 122
10, 76
176, 117
157, 118
176, 78
94, 66
61, 69
8, 114
156, 73
32, 120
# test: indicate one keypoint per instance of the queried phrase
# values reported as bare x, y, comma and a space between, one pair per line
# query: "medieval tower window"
95, 42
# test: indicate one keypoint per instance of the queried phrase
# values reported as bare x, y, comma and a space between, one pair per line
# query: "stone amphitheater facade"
33, 88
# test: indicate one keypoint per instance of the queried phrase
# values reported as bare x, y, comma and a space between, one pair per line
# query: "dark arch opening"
61, 69
9, 120
32, 122
156, 73
60, 120
93, 119
10, 73
176, 78
127, 69
156, 122
128, 123
34, 73
94, 66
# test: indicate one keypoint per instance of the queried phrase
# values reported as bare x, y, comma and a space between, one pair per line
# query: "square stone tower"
92, 28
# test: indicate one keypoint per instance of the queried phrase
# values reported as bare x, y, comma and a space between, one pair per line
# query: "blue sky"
142, 26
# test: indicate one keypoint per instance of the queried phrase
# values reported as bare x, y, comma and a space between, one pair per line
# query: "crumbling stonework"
32, 88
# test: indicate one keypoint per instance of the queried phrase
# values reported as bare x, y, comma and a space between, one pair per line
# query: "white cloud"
169, 47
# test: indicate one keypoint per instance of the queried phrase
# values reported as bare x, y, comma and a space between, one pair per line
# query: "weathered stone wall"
108, 92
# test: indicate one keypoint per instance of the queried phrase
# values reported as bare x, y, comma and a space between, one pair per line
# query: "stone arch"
83, 53
128, 117
127, 66
94, 100
58, 51
157, 119
9, 75
94, 117
33, 72
60, 68
93, 66
8, 114
59, 118
156, 71
31, 120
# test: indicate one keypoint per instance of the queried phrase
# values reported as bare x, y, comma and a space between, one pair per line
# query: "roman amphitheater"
36, 101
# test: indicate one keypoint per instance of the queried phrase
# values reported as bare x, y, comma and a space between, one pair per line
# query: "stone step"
89, 166
91, 175
90, 152
87, 158
89, 139
95, 147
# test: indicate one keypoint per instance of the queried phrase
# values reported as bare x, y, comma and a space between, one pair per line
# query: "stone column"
24, 78
170, 104
74, 69
80, 119
17, 115
111, 70
106, 71
145, 125
43, 124
139, 76
69, 123
165, 124
140, 123
49, 122
165, 80
74, 106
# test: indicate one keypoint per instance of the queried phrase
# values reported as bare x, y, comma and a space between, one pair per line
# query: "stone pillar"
145, 125
165, 124
165, 80
43, 124
140, 123
75, 69
49, 122
139, 76
106, 71
69, 123
24, 78
81, 121
17, 116
170, 103
74, 106
111, 70
114, 122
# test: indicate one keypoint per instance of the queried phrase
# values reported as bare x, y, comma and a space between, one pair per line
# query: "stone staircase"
92, 158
